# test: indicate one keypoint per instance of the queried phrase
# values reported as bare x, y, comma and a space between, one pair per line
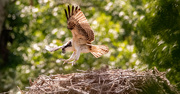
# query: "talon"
72, 62
65, 61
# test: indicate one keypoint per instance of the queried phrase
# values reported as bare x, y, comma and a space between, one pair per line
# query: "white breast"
84, 49
69, 49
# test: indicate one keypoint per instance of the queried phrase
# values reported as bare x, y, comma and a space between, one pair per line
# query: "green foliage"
160, 38
139, 33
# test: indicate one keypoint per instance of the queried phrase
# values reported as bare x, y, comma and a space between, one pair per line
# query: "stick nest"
104, 81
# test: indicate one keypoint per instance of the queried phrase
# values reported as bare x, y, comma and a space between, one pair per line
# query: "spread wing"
77, 20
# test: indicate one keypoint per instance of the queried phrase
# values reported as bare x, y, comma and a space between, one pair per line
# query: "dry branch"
104, 81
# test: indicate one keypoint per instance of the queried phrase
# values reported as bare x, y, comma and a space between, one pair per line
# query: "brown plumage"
76, 18
98, 50
83, 36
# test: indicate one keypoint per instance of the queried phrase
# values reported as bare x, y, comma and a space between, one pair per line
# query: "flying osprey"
83, 36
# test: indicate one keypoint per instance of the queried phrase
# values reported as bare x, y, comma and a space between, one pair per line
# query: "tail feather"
99, 50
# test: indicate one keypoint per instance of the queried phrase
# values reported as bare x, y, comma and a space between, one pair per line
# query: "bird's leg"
71, 58
67, 45
53, 49
76, 58
59, 47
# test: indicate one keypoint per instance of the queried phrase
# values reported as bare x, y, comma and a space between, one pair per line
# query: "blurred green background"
140, 34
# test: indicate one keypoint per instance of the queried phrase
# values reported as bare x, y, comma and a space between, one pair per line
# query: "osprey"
83, 36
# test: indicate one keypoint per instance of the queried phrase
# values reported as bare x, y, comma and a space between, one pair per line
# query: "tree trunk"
4, 34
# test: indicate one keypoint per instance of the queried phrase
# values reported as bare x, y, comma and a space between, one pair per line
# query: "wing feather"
82, 24
76, 9
66, 14
72, 10
69, 12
